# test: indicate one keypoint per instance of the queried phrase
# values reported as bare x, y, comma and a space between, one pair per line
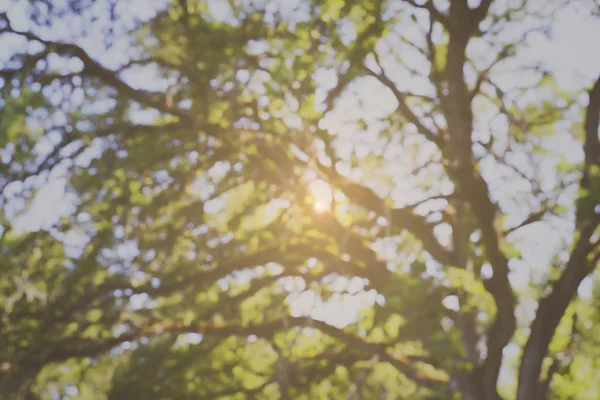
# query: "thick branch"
558, 361
474, 189
552, 308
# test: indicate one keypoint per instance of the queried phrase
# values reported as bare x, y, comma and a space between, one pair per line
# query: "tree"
228, 170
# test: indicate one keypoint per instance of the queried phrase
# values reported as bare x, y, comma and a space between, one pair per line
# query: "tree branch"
403, 107
532, 218
474, 189
400, 219
92, 67
552, 308
433, 11
268, 329
558, 361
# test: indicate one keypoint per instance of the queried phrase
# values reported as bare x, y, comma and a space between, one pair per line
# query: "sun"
320, 206
322, 195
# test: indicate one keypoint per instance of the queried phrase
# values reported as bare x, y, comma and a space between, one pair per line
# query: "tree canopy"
311, 199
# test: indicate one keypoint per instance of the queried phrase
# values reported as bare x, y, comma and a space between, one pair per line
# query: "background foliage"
294, 200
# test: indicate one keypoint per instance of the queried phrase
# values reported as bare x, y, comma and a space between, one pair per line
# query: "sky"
573, 56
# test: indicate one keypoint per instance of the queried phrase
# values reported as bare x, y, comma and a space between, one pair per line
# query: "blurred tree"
232, 170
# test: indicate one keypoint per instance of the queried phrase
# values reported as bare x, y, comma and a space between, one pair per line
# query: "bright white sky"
573, 55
